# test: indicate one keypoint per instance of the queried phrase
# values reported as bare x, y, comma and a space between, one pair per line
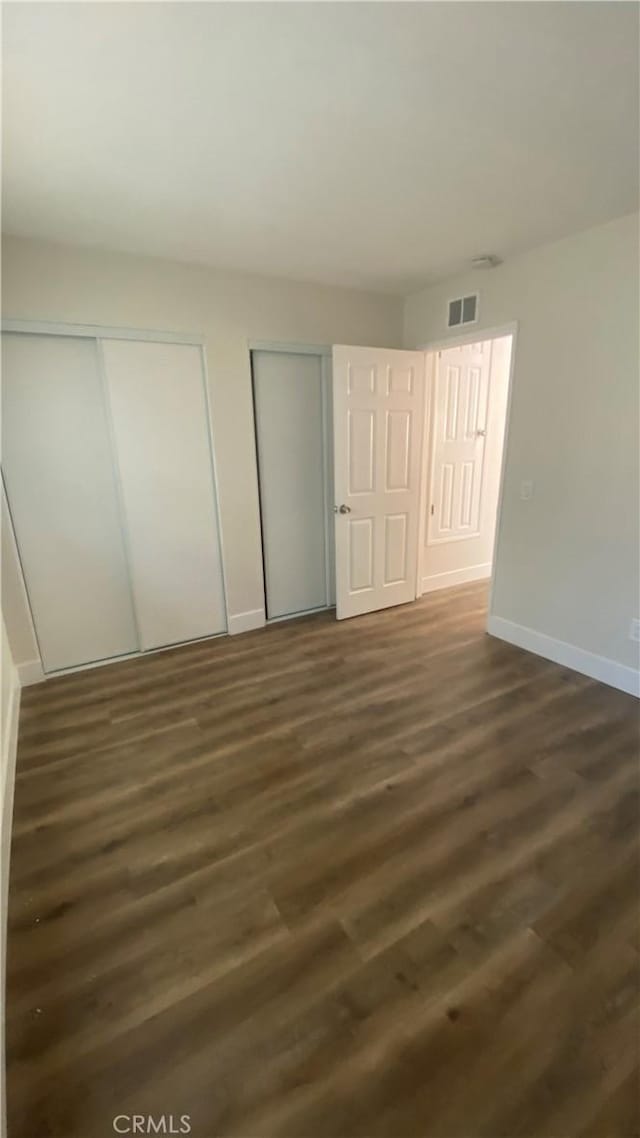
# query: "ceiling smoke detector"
486, 261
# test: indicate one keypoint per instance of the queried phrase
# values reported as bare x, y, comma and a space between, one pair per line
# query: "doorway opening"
292, 415
408, 444
468, 385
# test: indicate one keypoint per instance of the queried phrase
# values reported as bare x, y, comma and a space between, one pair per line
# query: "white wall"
567, 560
567, 563
66, 284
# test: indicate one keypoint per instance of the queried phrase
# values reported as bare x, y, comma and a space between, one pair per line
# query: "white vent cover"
463, 310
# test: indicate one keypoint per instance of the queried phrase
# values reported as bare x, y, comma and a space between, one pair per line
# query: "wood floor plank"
330, 879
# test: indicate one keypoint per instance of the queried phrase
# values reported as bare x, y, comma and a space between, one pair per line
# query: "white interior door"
289, 411
459, 442
58, 471
161, 432
378, 418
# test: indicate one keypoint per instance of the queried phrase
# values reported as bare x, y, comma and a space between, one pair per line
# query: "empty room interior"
320, 570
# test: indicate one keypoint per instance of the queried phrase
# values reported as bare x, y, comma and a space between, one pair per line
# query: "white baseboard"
246, 621
6, 817
30, 672
455, 577
588, 663
11, 745
8, 784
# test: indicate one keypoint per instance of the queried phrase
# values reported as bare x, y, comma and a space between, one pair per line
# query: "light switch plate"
526, 491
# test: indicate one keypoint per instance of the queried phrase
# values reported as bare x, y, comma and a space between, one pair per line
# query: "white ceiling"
378, 145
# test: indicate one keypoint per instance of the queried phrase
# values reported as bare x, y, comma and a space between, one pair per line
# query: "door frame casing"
430, 349
323, 352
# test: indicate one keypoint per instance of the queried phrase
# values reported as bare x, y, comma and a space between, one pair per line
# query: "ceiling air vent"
464, 310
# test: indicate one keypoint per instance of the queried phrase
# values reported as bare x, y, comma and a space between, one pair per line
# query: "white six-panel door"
459, 442
378, 418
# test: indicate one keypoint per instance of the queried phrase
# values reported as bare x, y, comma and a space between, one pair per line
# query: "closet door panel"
289, 432
161, 433
59, 477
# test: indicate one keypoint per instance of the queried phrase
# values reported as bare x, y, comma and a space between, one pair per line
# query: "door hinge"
433, 510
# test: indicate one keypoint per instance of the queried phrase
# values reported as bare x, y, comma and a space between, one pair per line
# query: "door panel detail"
361, 451
361, 554
397, 450
395, 549
460, 419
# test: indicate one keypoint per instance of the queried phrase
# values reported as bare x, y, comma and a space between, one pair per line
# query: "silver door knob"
342, 509
481, 434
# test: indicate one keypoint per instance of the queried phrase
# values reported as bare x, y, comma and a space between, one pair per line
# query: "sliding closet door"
161, 434
289, 432
59, 478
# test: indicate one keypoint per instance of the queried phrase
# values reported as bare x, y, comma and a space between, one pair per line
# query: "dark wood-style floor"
324, 881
